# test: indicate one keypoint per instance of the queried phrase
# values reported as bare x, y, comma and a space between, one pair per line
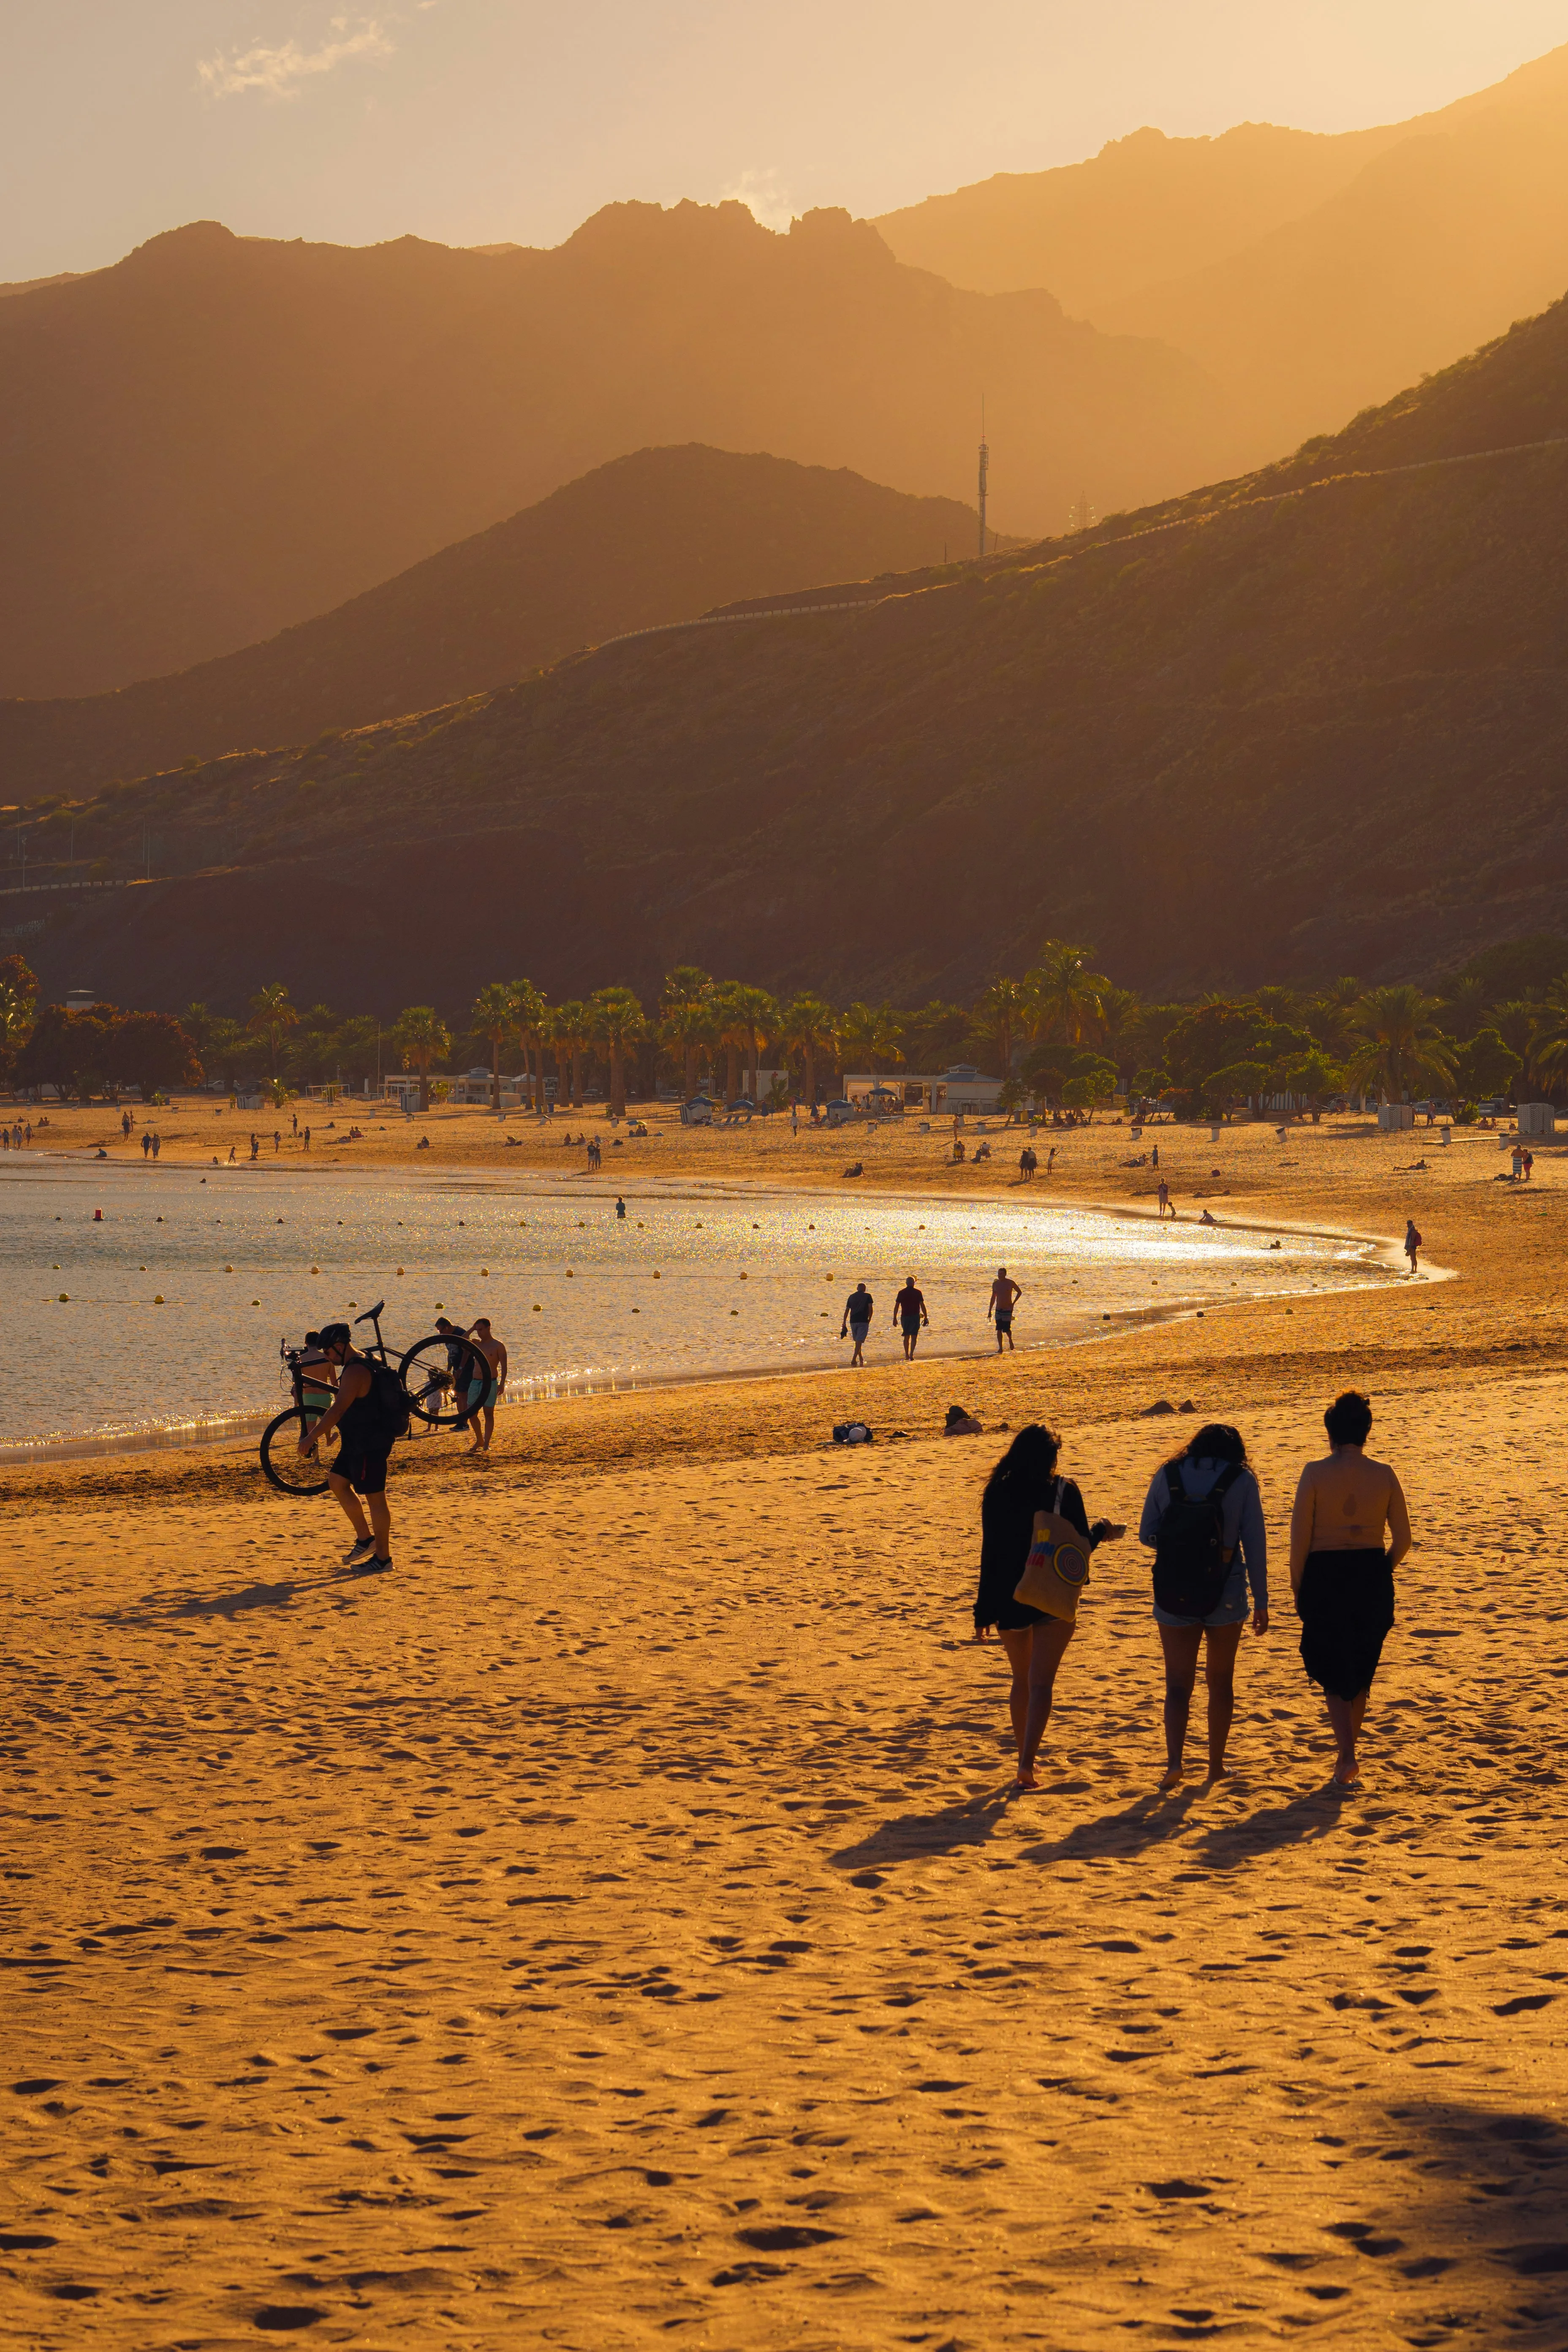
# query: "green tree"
1488, 1067
1331, 1014
152, 1051
495, 1019
617, 1022
1398, 1043
19, 1009
272, 1018
1464, 1000
569, 1036
1093, 1080
1316, 1078
870, 1034
808, 1027
530, 1021
684, 1030
1001, 1015
936, 1035
756, 1015
419, 1036
1064, 993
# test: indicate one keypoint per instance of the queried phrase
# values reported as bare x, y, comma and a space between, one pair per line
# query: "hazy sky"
478, 121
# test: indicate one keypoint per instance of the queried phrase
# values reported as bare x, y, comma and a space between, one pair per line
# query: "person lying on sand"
960, 1423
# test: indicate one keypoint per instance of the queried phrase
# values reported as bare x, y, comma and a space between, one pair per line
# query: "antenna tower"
985, 473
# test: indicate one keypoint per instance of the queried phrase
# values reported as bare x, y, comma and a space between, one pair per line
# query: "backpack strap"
1227, 1478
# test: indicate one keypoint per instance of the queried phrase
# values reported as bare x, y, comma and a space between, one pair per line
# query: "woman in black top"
1025, 1482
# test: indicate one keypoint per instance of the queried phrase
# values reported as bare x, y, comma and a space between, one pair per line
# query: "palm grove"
1063, 1034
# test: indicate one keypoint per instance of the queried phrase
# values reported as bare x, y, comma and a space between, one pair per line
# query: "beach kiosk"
698, 1112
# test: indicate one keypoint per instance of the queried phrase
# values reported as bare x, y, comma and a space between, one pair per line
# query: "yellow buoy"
538, 1311
315, 1269
255, 1302
656, 1273
228, 1269
637, 1310
400, 1269
159, 1300
568, 1274
65, 1298
484, 1270
743, 1277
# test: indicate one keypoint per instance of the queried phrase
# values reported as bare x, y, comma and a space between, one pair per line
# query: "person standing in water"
620, 1208
1412, 1243
1208, 1481
910, 1306
1024, 1481
858, 1309
1005, 1293
1342, 1573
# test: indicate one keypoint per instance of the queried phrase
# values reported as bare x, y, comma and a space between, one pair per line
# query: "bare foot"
1347, 1776
1172, 1779
1026, 1780
1219, 1771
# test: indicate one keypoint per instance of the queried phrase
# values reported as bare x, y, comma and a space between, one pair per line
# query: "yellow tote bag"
1058, 1567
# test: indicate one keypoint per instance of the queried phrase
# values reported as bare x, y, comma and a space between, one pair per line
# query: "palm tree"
731, 1029
684, 983
1464, 1002
569, 1035
272, 1016
1548, 1039
421, 1038
685, 1030
756, 1015
1519, 1023
495, 1017
999, 1013
1064, 993
1332, 1015
616, 1020
1281, 1005
872, 1032
529, 1016
1398, 1043
1121, 1027
809, 1025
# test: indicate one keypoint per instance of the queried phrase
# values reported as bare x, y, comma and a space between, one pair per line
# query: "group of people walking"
1203, 1520
910, 1306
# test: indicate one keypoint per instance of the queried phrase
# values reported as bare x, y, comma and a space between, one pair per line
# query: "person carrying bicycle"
364, 1444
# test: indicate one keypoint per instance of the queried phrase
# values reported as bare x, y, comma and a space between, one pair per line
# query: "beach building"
961, 1088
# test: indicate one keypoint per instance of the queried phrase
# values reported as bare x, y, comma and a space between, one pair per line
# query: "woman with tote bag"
1034, 1538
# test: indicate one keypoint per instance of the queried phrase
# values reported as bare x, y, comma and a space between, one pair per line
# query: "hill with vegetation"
655, 537
1310, 277
1313, 721
221, 436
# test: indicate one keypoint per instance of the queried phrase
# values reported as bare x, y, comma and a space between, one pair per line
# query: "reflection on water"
691, 1282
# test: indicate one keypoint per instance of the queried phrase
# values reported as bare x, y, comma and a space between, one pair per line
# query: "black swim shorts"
364, 1468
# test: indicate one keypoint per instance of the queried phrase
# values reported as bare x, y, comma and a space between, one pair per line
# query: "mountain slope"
1145, 210
220, 436
1321, 274
1313, 721
659, 536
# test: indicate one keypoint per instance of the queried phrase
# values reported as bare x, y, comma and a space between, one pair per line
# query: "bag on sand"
851, 1433
1058, 1567
1191, 1559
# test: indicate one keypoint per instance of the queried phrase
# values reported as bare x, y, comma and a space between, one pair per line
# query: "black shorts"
1003, 1322
364, 1468
912, 1324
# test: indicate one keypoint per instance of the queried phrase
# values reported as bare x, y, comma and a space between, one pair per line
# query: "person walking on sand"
364, 1444
485, 1395
1162, 1195
1202, 1519
1005, 1293
1412, 1243
910, 1306
1025, 1482
858, 1309
1341, 1572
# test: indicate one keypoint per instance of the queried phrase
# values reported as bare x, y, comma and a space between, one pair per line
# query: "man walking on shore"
1004, 1292
484, 1395
858, 1309
910, 1306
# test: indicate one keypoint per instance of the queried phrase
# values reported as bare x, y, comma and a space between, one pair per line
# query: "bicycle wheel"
292, 1471
437, 1376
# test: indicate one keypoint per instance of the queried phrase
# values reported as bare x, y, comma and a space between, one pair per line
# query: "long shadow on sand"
914, 1837
164, 1608
1149, 1822
1317, 1815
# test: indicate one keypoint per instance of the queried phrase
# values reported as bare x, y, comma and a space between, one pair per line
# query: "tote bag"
1058, 1567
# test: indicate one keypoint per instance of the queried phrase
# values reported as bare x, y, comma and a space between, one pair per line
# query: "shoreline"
1380, 1257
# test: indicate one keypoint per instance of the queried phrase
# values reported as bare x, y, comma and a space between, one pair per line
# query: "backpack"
851, 1433
388, 1402
1192, 1560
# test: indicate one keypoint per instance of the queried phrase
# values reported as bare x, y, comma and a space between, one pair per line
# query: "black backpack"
388, 1402
1191, 1559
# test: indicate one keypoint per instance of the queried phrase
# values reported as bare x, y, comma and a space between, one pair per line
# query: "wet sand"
615, 1928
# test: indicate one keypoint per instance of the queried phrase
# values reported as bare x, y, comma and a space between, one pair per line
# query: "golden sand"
615, 1928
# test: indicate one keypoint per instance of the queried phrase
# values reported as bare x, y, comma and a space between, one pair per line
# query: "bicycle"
436, 1375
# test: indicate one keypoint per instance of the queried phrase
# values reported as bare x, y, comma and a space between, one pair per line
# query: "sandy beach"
615, 1927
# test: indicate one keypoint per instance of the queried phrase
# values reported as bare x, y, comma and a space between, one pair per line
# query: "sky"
479, 121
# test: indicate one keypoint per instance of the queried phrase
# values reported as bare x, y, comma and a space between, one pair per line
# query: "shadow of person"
1229, 1844
914, 1837
158, 1608
1148, 1821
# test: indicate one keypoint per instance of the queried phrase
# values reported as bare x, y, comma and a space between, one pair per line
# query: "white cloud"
282, 72
764, 195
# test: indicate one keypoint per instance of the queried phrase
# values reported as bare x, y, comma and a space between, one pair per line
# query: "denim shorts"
1232, 1609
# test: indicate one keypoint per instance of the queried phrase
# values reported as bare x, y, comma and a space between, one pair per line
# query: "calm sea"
694, 1281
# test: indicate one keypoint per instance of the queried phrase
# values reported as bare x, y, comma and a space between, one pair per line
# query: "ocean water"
696, 1280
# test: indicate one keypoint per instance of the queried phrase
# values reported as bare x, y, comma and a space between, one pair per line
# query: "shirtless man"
1005, 1291
910, 1306
482, 1397
1162, 1195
